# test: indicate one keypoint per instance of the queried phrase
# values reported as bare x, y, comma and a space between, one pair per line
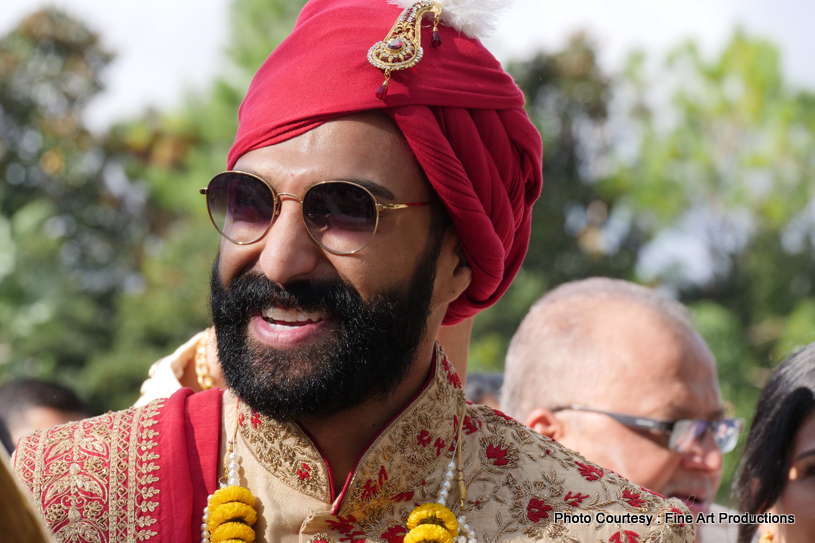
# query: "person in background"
31, 404
777, 470
617, 372
484, 388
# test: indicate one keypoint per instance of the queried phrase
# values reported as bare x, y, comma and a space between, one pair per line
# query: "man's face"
651, 372
300, 326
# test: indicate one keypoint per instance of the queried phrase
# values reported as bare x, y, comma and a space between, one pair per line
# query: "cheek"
798, 498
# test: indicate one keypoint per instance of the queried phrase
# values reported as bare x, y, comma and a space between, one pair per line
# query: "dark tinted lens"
241, 206
340, 216
726, 433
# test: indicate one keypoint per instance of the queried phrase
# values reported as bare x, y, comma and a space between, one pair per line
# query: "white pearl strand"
232, 479
466, 534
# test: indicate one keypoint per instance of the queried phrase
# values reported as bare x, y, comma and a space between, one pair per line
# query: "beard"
366, 355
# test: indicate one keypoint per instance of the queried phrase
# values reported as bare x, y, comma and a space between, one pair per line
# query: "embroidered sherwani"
144, 475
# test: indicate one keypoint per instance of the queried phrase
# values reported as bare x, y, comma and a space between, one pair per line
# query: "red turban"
461, 114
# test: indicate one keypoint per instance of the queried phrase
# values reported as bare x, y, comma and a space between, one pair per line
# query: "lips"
288, 328
280, 317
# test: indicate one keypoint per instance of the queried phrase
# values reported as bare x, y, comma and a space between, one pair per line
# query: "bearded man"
376, 190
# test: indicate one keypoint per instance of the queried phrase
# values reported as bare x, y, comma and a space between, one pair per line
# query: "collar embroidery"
398, 461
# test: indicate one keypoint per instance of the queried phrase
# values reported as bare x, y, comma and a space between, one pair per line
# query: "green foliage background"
689, 162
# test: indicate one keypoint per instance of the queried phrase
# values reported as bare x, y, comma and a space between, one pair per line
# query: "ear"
453, 273
546, 423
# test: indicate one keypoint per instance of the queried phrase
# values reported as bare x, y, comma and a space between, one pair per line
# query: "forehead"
660, 370
366, 147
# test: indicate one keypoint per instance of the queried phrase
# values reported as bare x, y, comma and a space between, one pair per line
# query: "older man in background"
617, 372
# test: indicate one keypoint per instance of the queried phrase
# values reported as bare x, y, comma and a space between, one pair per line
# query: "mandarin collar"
408, 450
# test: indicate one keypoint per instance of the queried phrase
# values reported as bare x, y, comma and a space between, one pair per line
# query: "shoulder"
531, 487
84, 476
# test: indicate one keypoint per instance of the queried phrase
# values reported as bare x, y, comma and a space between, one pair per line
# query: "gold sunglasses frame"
278, 204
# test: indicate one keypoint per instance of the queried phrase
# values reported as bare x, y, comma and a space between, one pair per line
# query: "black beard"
367, 356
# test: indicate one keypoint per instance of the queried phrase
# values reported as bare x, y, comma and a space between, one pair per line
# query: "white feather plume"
476, 18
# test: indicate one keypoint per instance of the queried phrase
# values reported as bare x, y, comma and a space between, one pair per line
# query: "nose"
704, 455
288, 252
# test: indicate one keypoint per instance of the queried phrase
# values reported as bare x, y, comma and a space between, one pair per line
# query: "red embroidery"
502, 415
383, 475
439, 444
591, 473
345, 526
537, 510
423, 438
404, 497
304, 473
633, 500
497, 454
676, 511
369, 490
649, 491
452, 377
395, 534
240, 419
469, 426
631, 537
574, 499
255, 420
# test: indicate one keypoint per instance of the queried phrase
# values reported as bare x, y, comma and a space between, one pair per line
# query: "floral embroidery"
383, 475
574, 499
96, 479
321, 538
497, 454
439, 444
395, 534
423, 438
403, 497
629, 537
591, 473
537, 510
633, 500
345, 526
304, 473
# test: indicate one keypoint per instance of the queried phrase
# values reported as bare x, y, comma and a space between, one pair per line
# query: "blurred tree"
576, 230
69, 217
175, 154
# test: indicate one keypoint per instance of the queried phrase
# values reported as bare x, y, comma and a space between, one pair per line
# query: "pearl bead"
203, 528
233, 466
451, 466
466, 528
462, 539
447, 485
233, 457
209, 498
472, 540
206, 509
441, 501
449, 475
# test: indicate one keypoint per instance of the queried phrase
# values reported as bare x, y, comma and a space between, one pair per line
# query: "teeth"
278, 314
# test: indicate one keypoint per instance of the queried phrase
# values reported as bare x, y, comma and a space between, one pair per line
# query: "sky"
165, 47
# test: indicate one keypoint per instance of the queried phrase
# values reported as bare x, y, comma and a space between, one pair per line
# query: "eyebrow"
805, 454
683, 413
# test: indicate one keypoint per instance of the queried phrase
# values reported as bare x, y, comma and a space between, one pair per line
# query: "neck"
343, 437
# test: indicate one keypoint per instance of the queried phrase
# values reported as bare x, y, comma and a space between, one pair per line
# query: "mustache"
252, 292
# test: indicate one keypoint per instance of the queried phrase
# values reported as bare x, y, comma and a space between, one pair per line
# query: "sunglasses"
683, 433
340, 216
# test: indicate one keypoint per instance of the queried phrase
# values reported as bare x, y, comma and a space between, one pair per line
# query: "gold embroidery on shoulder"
94, 478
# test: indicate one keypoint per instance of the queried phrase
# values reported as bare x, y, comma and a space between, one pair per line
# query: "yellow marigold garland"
428, 533
433, 513
233, 530
236, 511
232, 494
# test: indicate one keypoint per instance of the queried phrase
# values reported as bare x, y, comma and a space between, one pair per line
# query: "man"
370, 198
596, 362
31, 404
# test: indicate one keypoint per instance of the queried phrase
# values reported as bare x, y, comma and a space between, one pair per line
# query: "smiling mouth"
291, 318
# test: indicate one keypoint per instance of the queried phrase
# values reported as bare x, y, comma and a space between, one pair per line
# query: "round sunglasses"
340, 216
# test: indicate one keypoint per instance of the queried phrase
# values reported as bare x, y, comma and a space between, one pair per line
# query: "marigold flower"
433, 514
233, 530
231, 494
231, 511
428, 533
